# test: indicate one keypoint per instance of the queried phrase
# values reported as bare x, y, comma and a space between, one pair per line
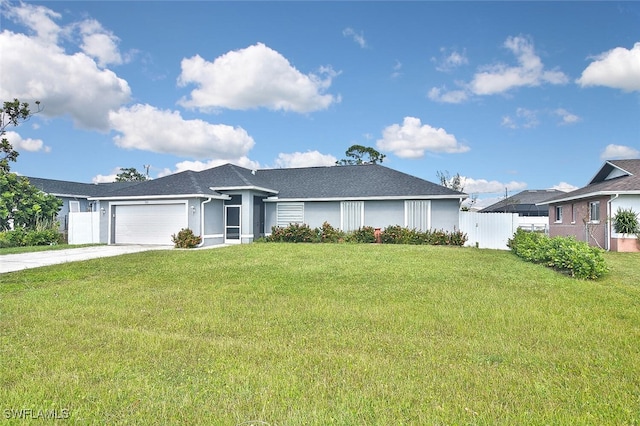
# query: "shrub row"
302, 233
20, 237
565, 254
399, 235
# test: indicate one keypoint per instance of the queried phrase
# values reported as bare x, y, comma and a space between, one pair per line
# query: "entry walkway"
18, 262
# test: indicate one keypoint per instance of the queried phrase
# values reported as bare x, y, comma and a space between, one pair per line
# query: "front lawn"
31, 249
302, 334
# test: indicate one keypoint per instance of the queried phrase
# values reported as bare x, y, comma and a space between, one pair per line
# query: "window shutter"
352, 213
417, 215
288, 213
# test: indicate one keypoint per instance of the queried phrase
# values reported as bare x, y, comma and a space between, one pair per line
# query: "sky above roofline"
510, 95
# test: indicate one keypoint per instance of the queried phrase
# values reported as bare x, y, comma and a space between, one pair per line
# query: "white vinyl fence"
488, 230
84, 227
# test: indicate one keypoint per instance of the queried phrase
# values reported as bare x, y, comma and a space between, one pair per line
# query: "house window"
352, 215
594, 211
288, 213
573, 213
559, 214
417, 215
74, 206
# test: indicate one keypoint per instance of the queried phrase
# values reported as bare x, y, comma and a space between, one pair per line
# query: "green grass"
293, 334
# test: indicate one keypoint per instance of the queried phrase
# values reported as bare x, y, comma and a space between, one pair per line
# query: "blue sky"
510, 95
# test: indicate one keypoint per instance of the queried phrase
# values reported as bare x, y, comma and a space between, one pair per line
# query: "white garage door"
148, 223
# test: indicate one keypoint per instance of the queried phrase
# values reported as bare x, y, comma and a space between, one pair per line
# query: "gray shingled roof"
627, 183
63, 188
362, 181
195, 183
524, 203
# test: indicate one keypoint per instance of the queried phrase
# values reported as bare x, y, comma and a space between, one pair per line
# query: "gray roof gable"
614, 177
524, 202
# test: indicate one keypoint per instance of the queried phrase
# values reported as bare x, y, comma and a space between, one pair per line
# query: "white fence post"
488, 230
84, 227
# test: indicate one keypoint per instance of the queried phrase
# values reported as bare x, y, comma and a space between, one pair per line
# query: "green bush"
43, 235
328, 234
293, 233
564, 254
396, 234
186, 239
364, 235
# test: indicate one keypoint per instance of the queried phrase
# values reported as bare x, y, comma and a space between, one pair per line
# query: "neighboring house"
74, 195
231, 204
531, 215
586, 212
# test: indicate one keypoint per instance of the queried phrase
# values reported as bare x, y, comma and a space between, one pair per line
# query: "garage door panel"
148, 223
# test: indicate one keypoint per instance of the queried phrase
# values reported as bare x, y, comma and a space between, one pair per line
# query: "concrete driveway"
18, 262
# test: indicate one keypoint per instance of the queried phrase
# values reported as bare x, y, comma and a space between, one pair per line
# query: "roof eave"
372, 198
588, 195
161, 197
239, 188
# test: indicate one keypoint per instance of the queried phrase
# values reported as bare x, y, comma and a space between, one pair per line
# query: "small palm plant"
626, 221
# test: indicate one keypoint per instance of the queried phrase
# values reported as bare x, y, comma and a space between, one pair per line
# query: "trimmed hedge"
565, 254
302, 233
21, 237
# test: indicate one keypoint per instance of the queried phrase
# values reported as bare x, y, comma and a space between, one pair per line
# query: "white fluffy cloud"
566, 117
448, 96
99, 43
107, 178
28, 144
618, 68
357, 37
483, 186
618, 152
411, 139
147, 128
39, 19
254, 77
564, 186
36, 68
524, 118
304, 159
500, 78
197, 166
450, 59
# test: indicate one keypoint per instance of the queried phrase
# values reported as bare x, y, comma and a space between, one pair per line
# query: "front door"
232, 225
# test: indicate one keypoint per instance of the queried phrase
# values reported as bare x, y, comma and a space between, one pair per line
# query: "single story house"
586, 213
232, 204
531, 215
74, 195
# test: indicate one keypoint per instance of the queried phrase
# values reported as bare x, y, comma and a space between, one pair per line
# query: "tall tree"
452, 182
12, 113
24, 205
359, 154
21, 204
130, 174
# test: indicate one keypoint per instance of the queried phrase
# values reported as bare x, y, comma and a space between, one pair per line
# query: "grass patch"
301, 334
32, 249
